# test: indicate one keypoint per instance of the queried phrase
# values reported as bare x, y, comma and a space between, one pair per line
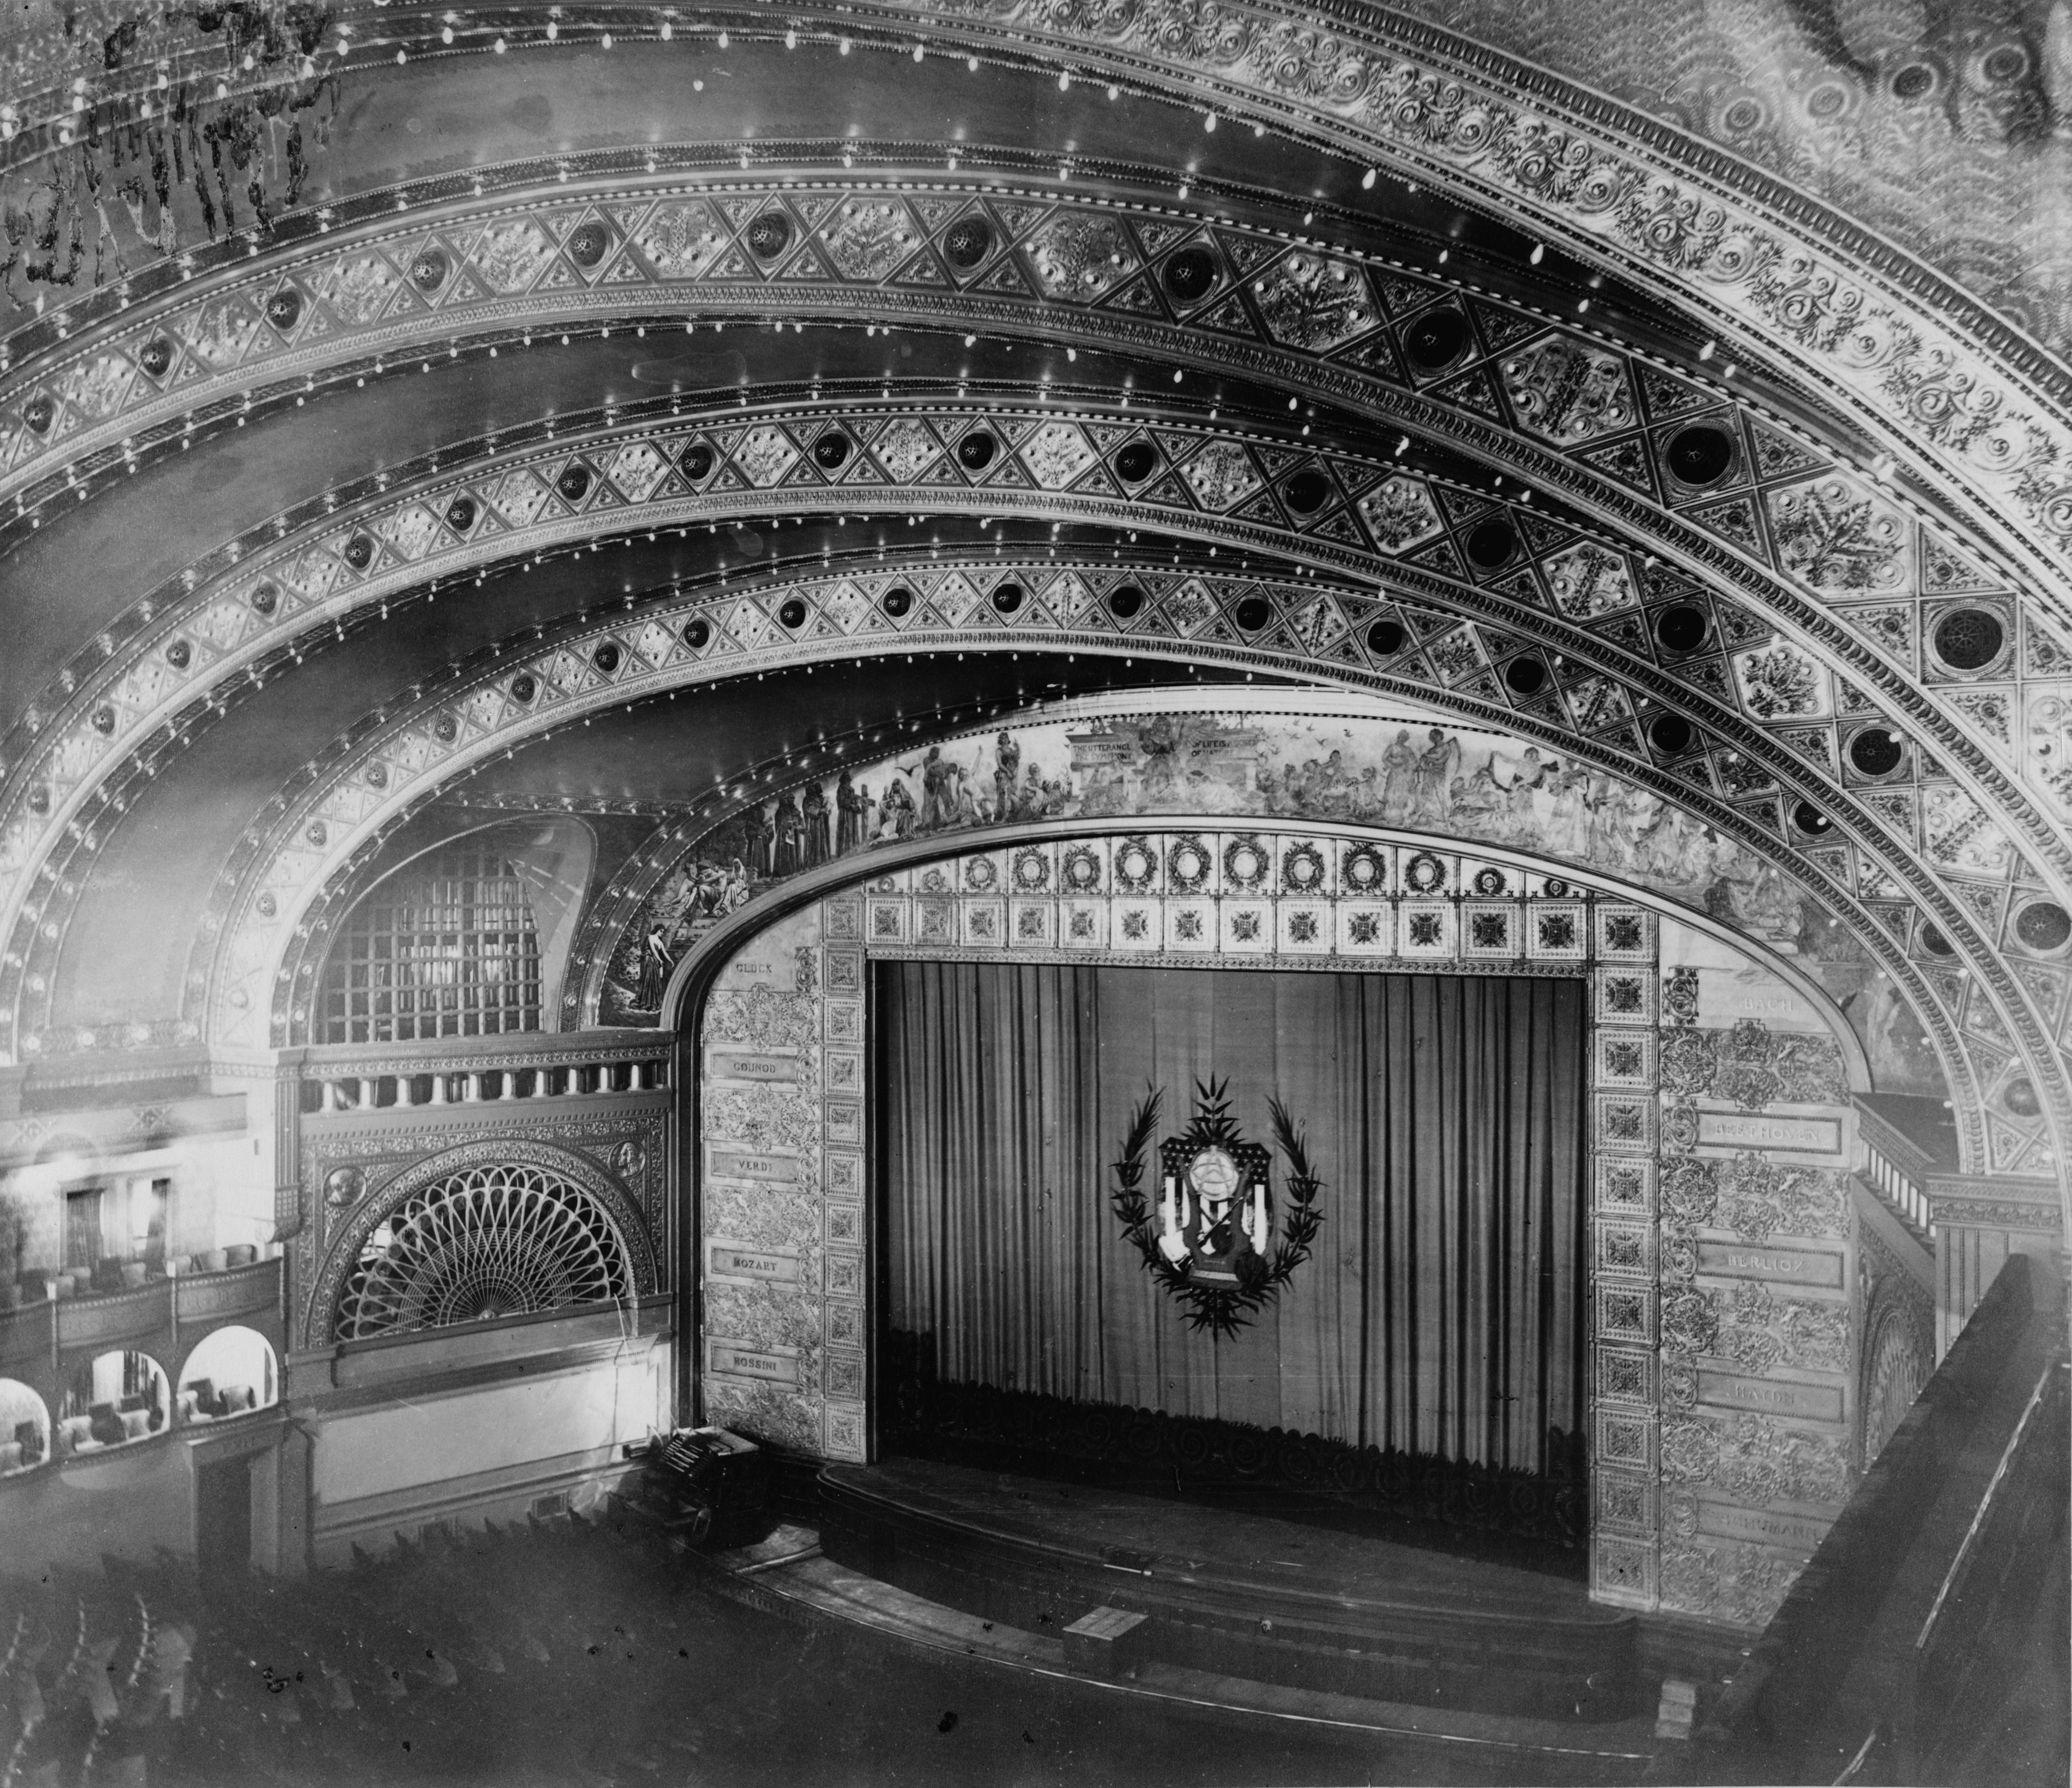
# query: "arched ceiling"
525, 395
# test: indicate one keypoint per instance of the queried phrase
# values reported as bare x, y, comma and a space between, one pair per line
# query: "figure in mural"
656, 964
1006, 765
760, 829
1399, 774
813, 812
1437, 765
897, 815
851, 832
788, 836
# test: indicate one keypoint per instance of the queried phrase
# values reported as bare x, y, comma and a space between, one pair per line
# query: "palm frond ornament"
1211, 1233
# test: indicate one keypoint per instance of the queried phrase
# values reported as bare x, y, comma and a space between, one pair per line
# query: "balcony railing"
502, 1068
1896, 1191
1896, 1169
148, 1317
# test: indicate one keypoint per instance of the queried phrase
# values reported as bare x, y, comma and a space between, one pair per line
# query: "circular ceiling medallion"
1683, 627
968, 241
792, 614
428, 272
831, 451
1007, 598
1811, 820
1190, 275
1670, 734
2019, 1098
265, 598
981, 873
1876, 752
1032, 869
1385, 639
1489, 882
975, 452
1969, 639
1699, 455
573, 483
770, 235
1125, 602
1932, 941
284, 309
460, 514
1435, 340
2043, 925
897, 601
1136, 462
697, 460
587, 243
156, 357
697, 634
1524, 675
606, 657
1307, 491
523, 687
1253, 613
1491, 544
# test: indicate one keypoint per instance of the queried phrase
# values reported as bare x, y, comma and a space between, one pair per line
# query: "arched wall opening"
231, 1371
1717, 1287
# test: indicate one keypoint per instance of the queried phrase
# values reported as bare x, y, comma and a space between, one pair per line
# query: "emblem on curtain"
1211, 1232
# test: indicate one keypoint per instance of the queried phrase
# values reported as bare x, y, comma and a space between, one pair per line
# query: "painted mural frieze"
1446, 780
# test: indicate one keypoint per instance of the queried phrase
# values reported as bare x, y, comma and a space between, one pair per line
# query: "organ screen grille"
447, 948
485, 1244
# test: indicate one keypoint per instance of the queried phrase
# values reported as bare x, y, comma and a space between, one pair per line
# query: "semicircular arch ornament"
485, 1242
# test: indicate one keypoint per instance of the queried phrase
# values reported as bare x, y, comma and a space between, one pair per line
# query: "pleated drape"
1441, 1312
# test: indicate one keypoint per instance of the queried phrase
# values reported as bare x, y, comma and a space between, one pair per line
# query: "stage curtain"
1442, 1311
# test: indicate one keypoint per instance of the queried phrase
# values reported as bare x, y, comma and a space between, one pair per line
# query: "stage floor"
1233, 1551
1238, 1591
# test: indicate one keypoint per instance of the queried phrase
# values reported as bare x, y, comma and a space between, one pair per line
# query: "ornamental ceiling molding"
191, 646
293, 875
1980, 404
1560, 406
1685, 216
1777, 516
385, 544
1681, 210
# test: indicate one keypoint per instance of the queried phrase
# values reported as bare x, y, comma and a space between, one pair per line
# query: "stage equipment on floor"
1206, 1244
705, 1487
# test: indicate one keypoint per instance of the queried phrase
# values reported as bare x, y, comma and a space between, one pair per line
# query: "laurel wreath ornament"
1219, 1308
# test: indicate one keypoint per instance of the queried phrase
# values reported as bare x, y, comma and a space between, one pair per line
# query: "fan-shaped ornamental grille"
445, 948
488, 1243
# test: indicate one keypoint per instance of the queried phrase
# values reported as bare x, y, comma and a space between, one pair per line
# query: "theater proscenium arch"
1710, 1130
